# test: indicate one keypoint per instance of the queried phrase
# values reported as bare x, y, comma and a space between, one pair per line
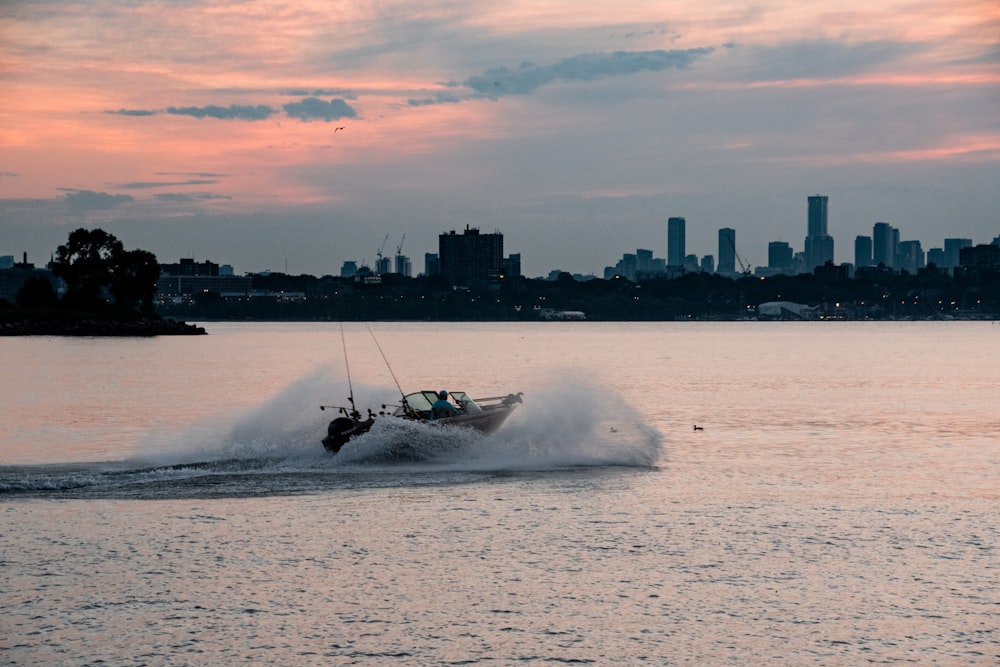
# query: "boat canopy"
421, 401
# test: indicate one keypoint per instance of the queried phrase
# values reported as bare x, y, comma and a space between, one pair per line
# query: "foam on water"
565, 423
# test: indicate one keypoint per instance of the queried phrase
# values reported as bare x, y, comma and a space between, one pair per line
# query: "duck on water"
482, 414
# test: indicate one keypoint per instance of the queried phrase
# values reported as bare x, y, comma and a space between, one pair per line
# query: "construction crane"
399, 248
744, 268
382, 247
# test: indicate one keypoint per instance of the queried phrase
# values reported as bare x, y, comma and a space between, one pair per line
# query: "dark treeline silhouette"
874, 294
107, 291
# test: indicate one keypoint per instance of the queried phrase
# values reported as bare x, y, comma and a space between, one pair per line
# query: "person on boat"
442, 408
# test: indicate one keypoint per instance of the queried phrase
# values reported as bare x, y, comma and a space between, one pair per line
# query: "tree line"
100, 277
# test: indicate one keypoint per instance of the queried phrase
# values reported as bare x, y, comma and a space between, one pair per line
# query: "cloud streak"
527, 78
85, 201
313, 108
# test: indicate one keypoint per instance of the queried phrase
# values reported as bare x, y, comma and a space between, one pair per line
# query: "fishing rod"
343, 342
386, 362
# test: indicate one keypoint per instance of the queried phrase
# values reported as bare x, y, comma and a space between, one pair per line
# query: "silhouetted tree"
86, 263
133, 283
37, 292
95, 266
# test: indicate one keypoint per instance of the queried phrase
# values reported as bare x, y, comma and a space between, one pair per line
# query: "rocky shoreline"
98, 327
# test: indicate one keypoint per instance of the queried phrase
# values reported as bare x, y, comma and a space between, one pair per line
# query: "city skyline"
299, 138
727, 255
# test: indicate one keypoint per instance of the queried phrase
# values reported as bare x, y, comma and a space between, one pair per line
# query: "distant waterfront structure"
432, 264
349, 269
708, 264
471, 259
952, 251
909, 257
819, 244
182, 279
404, 266
884, 240
980, 258
862, 251
512, 266
676, 241
188, 267
727, 251
780, 256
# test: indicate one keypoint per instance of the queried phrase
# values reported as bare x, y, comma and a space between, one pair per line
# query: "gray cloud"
82, 201
333, 92
529, 77
187, 198
438, 98
232, 112
141, 185
191, 174
133, 112
313, 108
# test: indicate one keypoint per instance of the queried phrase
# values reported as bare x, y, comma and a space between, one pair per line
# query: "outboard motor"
339, 432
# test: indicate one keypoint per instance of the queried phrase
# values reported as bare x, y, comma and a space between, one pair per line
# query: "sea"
737, 493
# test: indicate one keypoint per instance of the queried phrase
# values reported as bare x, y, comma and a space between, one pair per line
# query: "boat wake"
275, 447
565, 425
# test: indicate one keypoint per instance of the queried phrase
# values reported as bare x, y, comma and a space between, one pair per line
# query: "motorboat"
481, 414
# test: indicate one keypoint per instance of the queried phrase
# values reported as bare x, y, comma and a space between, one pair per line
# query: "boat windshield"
420, 401
465, 401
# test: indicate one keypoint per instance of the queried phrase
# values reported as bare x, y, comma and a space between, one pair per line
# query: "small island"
97, 289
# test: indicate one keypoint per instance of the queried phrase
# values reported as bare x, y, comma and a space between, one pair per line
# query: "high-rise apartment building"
909, 257
471, 259
952, 250
779, 256
675, 241
884, 240
862, 251
727, 251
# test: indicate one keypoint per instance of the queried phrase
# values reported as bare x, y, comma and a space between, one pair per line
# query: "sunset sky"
299, 134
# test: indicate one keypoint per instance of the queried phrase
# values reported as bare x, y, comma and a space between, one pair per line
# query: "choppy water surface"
167, 501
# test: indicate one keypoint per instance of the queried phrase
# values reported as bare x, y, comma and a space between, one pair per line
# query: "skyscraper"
675, 241
819, 244
884, 239
727, 251
779, 256
862, 251
952, 248
817, 215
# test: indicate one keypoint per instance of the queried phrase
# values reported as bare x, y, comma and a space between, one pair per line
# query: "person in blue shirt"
442, 408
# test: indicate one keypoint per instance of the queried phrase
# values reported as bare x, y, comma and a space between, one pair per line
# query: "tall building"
909, 257
819, 244
404, 266
727, 251
952, 249
884, 240
471, 259
862, 251
512, 266
818, 207
432, 264
779, 256
675, 241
